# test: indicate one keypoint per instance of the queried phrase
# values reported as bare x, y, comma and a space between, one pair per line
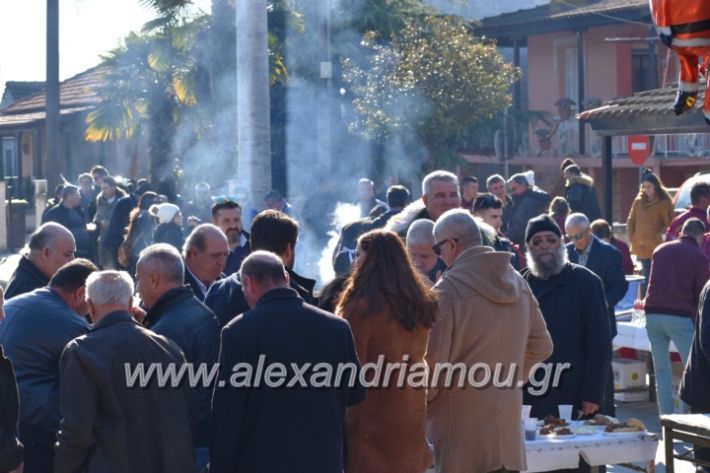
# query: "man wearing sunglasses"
603, 260
572, 302
487, 316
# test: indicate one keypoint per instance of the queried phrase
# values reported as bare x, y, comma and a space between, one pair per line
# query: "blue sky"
88, 28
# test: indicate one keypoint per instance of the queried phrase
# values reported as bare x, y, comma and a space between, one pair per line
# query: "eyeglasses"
437, 247
578, 236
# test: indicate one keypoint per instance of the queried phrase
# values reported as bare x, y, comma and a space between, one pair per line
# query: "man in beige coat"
488, 318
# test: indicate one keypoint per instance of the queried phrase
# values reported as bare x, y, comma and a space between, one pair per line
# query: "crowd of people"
121, 278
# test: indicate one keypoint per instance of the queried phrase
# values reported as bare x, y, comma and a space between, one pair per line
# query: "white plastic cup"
526, 411
565, 411
530, 426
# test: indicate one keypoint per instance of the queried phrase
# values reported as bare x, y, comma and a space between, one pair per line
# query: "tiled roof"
76, 91
558, 12
650, 102
646, 113
21, 89
19, 119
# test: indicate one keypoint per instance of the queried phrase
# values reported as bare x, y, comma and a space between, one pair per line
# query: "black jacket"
574, 307
344, 251
26, 278
169, 233
696, 379
226, 297
581, 197
36, 328
10, 448
270, 429
529, 204
179, 316
108, 425
119, 221
605, 261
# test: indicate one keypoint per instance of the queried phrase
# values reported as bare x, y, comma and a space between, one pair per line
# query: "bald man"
50, 247
205, 253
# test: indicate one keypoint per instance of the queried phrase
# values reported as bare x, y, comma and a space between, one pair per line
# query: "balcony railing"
690, 145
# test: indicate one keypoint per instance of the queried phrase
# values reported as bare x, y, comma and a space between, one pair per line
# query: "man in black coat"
34, 332
51, 246
580, 194
10, 447
528, 203
271, 231
174, 312
271, 424
572, 302
696, 379
111, 420
68, 214
604, 260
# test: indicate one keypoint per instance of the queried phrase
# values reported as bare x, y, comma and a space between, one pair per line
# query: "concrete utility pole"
52, 142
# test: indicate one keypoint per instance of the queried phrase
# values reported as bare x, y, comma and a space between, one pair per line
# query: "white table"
547, 454
633, 336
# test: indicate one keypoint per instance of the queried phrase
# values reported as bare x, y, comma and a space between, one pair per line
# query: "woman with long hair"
391, 310
650, 215
139, 233
559, 210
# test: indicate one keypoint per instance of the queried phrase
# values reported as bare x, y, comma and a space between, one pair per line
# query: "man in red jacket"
679, 270
699, 200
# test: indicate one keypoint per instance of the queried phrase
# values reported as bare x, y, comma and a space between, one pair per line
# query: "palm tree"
253, 115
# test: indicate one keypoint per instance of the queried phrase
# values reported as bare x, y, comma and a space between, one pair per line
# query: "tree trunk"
53, 165
253, 120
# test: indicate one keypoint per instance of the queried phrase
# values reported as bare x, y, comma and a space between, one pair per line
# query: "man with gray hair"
572, 300
263, 426
419, 243
50, 247
205, 252
440, 192
528, 202
604, 260
482, 300
108, 424
175, 313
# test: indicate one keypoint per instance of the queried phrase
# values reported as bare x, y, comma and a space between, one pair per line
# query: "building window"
9, 156
641, 70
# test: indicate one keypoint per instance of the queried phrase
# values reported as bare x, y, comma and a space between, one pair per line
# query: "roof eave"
563, 24
657, 124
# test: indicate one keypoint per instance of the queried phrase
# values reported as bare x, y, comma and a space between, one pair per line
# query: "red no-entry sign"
639, 147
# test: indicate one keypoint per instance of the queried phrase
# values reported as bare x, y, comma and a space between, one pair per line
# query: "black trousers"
38, 458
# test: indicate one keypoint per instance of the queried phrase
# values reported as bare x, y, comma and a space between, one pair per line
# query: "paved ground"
648, 413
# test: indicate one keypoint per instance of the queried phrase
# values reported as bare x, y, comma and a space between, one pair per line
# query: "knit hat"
541, 223
164, 212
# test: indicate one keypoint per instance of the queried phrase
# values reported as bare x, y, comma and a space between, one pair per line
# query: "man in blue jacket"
34, 332
603, 260
175, 313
